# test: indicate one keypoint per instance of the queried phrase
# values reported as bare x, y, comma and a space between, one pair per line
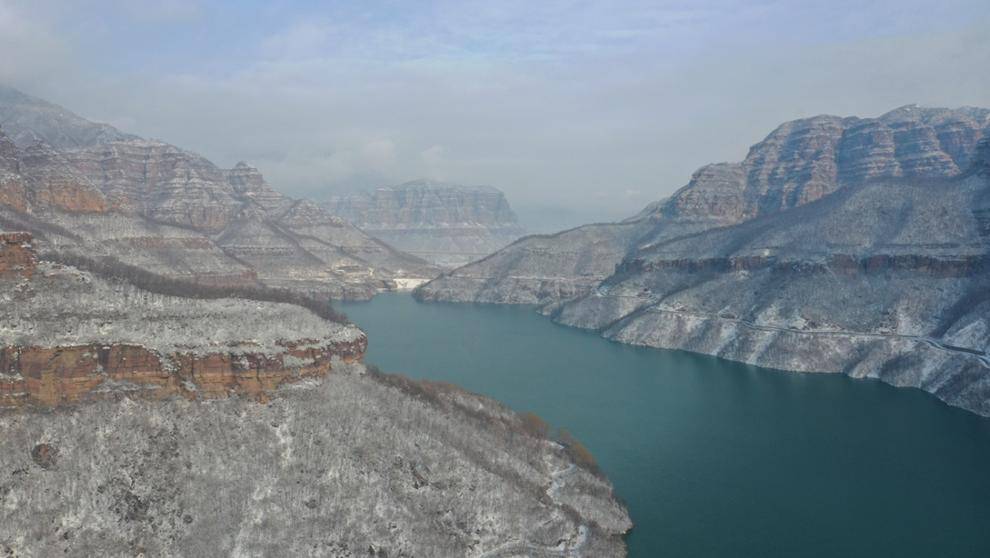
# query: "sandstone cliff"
839, 245
17, 258
122, 437
804, 160
69, 336
448, 224
797, 163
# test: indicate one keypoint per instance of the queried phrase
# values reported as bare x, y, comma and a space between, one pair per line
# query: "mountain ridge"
892, 213
155, 205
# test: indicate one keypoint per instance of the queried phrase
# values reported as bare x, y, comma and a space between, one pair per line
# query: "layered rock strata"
839, 245
798, 163
884, 280
445, 223
122, 437
172, 212
68, 336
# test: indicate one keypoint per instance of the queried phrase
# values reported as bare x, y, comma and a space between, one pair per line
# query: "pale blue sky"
593, 107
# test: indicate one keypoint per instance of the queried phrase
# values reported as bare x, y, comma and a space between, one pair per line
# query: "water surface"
716, 458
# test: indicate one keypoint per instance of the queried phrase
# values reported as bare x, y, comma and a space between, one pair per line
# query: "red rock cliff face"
54, 376
36, 373
53, 184
17, 259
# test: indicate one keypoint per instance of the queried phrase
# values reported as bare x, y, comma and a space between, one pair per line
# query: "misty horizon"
577, 113
495, 278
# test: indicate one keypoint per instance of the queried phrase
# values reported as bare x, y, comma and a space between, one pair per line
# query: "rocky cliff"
804, 160
132, 426
69, 336
175, 213
448, 224
799, 162
839, 245
17, 258
885, 280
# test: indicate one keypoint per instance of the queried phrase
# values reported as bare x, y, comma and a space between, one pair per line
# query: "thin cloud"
554, 102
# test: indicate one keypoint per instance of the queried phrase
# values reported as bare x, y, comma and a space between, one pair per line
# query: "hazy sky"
593, 108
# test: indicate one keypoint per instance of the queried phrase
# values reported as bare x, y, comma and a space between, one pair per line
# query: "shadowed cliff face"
91, 190
448, 224
839, 245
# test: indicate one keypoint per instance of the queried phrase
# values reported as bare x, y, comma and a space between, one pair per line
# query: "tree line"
111, 268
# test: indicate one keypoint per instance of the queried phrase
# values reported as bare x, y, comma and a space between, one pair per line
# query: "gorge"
838, 245
174, 380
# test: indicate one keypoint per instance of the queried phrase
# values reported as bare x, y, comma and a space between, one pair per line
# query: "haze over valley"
494, 279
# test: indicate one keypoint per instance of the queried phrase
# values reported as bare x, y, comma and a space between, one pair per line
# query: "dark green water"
715, 458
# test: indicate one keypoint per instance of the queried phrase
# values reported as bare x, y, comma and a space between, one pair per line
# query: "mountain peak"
28, 119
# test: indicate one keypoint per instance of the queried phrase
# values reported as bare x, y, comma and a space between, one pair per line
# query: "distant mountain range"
91, 190
853, 245
448, 224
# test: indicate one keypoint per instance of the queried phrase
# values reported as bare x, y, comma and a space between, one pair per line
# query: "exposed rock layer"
87, 189
68, 336
17, 258
839, 245
448, 224
115, 452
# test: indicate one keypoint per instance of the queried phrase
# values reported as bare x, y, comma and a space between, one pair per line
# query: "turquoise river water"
716, 458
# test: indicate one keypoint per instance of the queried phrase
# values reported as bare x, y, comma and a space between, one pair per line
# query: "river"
716, 458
